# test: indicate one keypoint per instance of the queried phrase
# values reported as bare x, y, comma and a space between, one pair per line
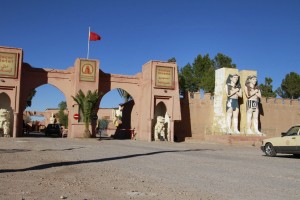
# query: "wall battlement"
276, 116
280, 101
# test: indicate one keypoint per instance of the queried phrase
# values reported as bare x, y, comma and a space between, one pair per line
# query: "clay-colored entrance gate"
156, 84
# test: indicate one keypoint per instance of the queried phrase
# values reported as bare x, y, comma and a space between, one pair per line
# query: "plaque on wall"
164, 77
8, 65
87, 70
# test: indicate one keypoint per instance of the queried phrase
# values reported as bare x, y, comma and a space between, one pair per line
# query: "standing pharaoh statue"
52, 119
253, 95
233, 92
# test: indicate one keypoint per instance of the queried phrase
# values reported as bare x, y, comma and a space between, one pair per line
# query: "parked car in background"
53, 129
288, 143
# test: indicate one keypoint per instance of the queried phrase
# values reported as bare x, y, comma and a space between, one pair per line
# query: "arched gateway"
158, 82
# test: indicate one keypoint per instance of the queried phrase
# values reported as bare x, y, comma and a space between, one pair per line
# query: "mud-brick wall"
196, 115
276, 116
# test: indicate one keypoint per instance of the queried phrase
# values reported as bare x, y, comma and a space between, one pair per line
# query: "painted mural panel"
164, 77
87, 70
8, 65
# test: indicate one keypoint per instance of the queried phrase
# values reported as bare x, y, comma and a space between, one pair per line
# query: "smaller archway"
161, 123
5, 103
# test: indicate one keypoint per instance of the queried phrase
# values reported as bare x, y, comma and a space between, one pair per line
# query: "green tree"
187, 80
204, 73
103, 124
173, 59
208, 81
29, 98
125, 95
63, 118
281, 93
88, 105
290, 86
222, 60
266, 89
201, 74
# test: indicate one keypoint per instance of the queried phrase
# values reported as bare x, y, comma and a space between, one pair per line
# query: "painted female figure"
253, 95
233, 91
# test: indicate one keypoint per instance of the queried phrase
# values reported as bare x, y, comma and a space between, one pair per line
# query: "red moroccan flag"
94, 36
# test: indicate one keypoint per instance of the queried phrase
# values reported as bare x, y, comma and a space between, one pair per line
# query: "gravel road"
78, 169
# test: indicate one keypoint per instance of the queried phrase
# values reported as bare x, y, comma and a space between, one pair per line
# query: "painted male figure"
233, 91
253, 95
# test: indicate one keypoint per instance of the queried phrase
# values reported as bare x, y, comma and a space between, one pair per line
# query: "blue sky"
260, 35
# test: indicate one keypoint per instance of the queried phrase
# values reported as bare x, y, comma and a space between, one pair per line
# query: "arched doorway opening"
44, 109
6, 119
161, 123
117, 109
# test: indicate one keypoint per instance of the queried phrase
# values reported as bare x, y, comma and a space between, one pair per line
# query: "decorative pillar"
15, 125
171, 138
149, 130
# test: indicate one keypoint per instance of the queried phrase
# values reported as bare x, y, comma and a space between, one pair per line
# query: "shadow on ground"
68, 163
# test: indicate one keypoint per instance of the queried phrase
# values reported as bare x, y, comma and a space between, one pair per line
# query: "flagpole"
88, 52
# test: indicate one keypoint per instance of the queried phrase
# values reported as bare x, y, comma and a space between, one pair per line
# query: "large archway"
44, 107
110, 104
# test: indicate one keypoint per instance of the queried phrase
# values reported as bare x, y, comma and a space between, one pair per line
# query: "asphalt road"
124, 169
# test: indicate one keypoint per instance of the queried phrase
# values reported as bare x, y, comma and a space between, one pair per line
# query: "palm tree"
87, 104
125, 95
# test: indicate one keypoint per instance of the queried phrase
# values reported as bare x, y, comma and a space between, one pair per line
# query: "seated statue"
159, 129
4, 121
6, 129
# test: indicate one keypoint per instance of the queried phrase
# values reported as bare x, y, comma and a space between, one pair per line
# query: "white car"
288, 143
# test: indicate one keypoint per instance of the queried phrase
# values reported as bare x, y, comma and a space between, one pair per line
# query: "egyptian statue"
233, 92
253, 95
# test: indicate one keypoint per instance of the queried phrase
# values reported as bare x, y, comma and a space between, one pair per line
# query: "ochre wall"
10, 87
276, 116
197, 117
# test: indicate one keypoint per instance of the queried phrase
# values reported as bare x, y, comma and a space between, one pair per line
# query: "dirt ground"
78, 169
55, 168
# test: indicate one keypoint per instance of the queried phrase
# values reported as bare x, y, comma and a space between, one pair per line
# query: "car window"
293, 131
54, 126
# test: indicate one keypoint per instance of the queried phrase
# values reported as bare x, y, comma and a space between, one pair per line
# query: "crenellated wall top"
288, 102
196, 97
